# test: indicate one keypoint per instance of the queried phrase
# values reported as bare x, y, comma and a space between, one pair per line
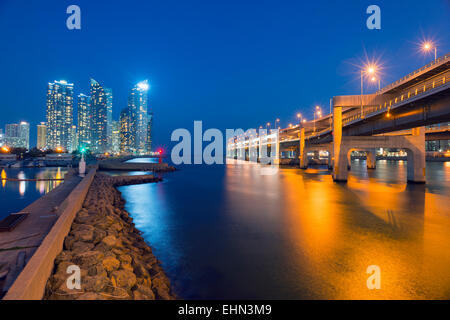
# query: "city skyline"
89, 125
254, 56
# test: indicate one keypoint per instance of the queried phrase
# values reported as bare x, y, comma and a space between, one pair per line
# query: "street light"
379, 82
300, 119
275, 125
370, 70
427, 46
319, 114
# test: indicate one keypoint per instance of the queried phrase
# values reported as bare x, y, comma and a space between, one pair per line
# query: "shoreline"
114, 259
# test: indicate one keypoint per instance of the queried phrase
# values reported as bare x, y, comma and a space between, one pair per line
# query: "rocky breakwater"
134, 166
114, 260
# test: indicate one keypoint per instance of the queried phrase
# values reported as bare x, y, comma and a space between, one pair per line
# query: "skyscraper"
18, 135
2, 138
84, 121
73, 139
99, 118
12, 134
59, 114
24, 135
137, 105
126, 140
115, 137
109, 106
41, 136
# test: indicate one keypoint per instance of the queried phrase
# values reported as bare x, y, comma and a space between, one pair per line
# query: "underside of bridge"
393, 118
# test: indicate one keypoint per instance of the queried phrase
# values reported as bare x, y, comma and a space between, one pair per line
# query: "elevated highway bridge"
393, 117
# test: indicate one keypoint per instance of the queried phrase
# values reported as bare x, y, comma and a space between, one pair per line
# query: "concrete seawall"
30, 284
134, 166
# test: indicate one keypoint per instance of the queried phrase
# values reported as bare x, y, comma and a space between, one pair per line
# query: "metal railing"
434, 62
392, 102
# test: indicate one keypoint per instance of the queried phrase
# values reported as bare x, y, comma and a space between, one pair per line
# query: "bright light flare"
427, 46
143, 85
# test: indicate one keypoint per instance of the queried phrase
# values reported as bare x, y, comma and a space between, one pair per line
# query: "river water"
230, 232
16, 195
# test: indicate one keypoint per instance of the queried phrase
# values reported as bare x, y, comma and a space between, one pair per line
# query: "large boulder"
123, 279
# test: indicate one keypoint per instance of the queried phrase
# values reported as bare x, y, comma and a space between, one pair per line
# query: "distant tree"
20, 152
34, 153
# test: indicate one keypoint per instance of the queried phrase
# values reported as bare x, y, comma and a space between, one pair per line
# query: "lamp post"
319, 113
427, 46
369, 70
379, 82
300, 119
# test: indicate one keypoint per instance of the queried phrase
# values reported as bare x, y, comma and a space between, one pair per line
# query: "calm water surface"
229, 232
16, 195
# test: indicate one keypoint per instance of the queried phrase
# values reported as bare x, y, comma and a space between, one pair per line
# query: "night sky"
229, 63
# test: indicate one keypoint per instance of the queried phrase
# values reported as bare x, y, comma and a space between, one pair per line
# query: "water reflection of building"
43, 186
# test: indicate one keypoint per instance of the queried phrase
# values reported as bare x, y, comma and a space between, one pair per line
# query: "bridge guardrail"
413, 92
438, 60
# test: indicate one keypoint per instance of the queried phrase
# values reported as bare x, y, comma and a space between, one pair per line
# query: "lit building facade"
109, 106
99, 137
138, 112
41, 136
126, 139
73, 139
17, 135
12, 134
84, 121
115, 137
59, 114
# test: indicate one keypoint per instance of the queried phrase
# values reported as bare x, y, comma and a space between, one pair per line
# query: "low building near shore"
8, 157
58, 159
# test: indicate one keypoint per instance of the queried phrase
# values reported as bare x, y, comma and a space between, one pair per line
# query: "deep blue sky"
228, 63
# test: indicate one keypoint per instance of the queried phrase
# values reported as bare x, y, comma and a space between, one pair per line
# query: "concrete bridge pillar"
340, 158
276, 148
260, 148
416, 157
301, 151
371, 158
241, 153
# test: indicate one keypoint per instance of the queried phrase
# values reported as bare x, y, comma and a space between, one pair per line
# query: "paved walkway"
17, 246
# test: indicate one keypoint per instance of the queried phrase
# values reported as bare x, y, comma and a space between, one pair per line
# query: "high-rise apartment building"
41, 136
84, 121
126, 139
137, 105
115, 137
59, 114
12, 134
99, 118
73, 139
2, 138
17, 135
109, 120
24, 135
